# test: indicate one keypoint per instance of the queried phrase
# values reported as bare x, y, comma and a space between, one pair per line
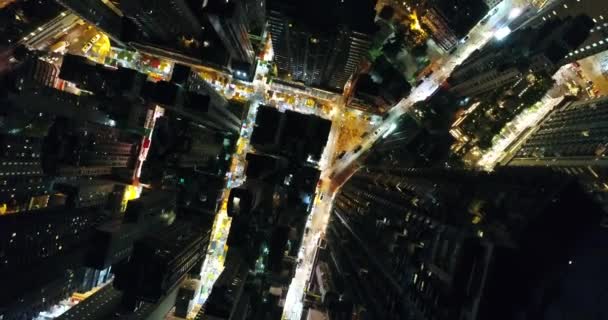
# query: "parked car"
86, 47
95, 38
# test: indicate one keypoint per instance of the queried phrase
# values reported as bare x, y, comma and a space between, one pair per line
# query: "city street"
83, 107
343, 168
319, 215
505, 147
353, 126
67, 33
216, 253
350, 129
571, 79
47, 34
478, 37
316, 223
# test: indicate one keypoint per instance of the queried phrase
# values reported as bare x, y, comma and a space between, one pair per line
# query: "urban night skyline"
303, 159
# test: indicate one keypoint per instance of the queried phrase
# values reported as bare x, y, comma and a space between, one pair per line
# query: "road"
46, 34
318, 217
67, 33
214, 261
316, 223
478, 37
348, 165
333, 175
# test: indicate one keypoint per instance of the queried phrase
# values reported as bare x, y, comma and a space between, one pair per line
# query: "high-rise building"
445, 21
100, 79
401, 146
21, 20
324, 51
562, 32
573, 139
228, 299
229, 20
200, 104
87, 145
256, 15
113, 241
443, 244
597, 32
47, 247
289, 133
537, 50
46, 233
46, 287
34, 87
150, 251
85, 192
350, 48
100, 305
23, 185
164, 21
379, 89
50, 155
34, 72
200, 191
293, 55
161, 261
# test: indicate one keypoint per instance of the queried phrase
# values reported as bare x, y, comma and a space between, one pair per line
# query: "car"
419, 82
465, 39
452, 50
341, 155
95, 38
357, 149
86, 47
